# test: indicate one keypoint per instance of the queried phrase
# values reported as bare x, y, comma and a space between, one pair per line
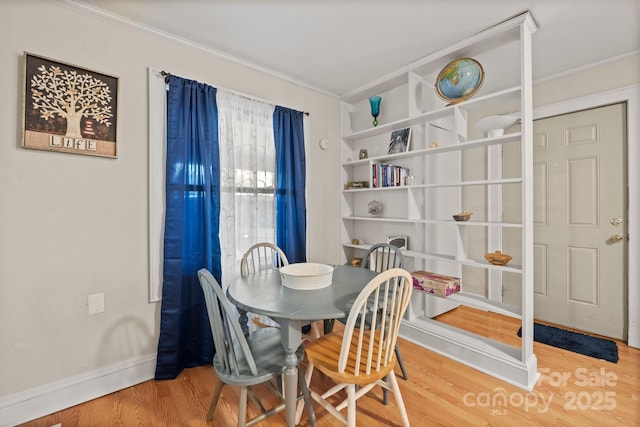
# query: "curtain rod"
166, 80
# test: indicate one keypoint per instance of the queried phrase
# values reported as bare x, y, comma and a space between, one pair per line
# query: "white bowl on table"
306, 275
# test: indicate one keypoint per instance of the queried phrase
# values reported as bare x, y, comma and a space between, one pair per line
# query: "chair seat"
324, 353
268, 353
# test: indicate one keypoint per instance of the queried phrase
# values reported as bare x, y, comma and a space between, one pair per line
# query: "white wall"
75, 225
616, 73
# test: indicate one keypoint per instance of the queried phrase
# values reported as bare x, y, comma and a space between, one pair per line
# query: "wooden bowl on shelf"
463, 216
497, 258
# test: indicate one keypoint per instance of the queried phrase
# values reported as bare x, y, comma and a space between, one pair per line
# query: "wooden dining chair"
260, 258
263, 257
363, 353
244, 362
381, 257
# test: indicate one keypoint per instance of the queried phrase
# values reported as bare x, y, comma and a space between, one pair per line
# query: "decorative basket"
497, 258
463, 216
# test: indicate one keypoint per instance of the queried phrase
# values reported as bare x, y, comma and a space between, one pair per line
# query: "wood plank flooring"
575, 390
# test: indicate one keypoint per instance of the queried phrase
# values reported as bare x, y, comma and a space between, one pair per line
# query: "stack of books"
384, 175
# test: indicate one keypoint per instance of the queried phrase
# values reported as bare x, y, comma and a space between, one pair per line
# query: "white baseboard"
493, 358
53, 397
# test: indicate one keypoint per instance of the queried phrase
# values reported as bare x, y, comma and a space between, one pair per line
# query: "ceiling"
339, 45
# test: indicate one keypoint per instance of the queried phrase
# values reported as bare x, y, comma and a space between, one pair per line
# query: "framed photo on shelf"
68, 108
400, 242
400, 141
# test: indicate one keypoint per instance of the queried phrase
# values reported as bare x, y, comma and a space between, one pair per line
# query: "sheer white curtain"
247, 171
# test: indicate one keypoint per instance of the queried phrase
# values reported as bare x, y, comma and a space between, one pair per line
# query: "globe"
459, 80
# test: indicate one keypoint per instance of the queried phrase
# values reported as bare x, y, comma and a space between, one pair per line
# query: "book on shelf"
385, 175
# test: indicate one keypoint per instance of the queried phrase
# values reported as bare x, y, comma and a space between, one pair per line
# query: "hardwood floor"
574, 390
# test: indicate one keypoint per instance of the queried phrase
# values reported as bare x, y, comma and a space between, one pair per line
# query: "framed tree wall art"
69, 109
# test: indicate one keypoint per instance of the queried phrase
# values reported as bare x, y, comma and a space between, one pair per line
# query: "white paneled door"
579, 220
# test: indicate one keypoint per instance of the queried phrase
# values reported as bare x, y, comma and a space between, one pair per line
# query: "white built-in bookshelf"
454, 167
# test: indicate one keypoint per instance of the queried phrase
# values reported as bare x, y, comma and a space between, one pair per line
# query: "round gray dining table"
292, 309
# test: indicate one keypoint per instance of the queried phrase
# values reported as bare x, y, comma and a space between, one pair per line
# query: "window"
247, 161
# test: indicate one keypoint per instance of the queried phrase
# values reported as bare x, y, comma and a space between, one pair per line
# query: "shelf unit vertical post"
527, 28
346, 199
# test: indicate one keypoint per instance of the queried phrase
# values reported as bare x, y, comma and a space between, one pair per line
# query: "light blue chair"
245, 361
263, 257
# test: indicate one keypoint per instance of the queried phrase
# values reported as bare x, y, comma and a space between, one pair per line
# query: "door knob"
616, 237
616, 221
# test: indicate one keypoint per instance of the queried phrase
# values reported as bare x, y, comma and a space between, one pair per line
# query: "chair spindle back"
369, 334
383, 256
225, 328
262, 257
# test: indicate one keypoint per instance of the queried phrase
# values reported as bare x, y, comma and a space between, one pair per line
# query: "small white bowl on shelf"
306, 275
495, 125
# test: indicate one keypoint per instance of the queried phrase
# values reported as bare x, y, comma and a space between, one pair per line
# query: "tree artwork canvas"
69, 109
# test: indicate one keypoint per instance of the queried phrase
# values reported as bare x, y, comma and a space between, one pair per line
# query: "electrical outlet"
96, 303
